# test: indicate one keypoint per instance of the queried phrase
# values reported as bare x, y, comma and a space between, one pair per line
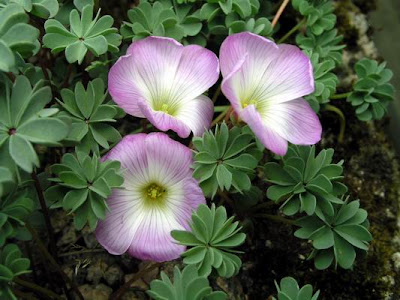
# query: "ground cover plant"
158, 130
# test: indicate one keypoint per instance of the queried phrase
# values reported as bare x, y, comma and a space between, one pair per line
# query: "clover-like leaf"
306, 182
226, 159
161, 19
289, 290
261, 26
12, 264
338, 237
213, 239
17, 37
89, 115
319, 14
83, 185
85, 33
372, 91
41, 8
187, 284
24, 121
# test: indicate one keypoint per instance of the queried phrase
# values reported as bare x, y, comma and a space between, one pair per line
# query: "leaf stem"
220, 108
342, 120
123, 289
216, 94
275, 218
36, 288
220, 117
45, 212
341, 96
291, 31
279, 12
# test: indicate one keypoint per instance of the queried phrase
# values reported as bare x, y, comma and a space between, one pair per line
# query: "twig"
123, 289
51, 259
342, 120
34, 287
279, 12
86, 251
45, 211
216, 94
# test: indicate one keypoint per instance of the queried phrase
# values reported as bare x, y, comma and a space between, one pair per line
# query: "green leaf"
44, 131
23, 153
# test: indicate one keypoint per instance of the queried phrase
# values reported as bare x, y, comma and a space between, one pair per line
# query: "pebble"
113, 275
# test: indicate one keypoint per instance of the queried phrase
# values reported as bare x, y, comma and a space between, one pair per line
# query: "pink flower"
158, 195
264, 83
163, 81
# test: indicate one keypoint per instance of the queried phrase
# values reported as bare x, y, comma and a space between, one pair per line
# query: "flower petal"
268, 72
295, 121
267, 136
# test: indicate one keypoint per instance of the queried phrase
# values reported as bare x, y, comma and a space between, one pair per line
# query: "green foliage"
213, 239
336, 237
85, 33
187, 284
306, 182
17, 37
14, 209
372, 91
83, 185
88, 114
12, 265
325, 81
225, 159
327, 45
161, 19
24, 120
319, 14
5, 176
290, 290
260, 26
41, 8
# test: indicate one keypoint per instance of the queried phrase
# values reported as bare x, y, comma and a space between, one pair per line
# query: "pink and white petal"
164, 121
295, 121
197, 114
123, 86
169, 161
132, 153
270, 139
117, 231
153, 240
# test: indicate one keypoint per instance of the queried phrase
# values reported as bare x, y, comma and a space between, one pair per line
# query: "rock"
68, 236
396, 261
113, 274
59, 220
99, 292
89, 238
96, 271
139, 284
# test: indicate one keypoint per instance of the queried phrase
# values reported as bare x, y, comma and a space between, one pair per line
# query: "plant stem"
51, 260
293, 30
220, 108
279, 12
341, 96
123, 289
220, 117
45, 212
36, 288
342, 119
216, 94
86, 251
275, 218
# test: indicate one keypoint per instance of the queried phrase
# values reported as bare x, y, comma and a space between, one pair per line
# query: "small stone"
139, 284
68, 236
89, 238
113, 274
86, 291
149, 276
59, 220
268, 244
396, 261
101, 292
96, 271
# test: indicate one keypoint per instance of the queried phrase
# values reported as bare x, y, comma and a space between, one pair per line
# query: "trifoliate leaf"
213, 238
96, 35
305, 182
187, 284
290, 290
83, 185
225, 158
336, 237
372, 91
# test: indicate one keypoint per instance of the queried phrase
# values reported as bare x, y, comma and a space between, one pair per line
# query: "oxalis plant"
158, 130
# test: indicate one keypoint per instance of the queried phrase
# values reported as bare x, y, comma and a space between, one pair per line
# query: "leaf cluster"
24, 121
41, 8
338, 237
372, 91
187, 284
213, 239
306, 182
85, 33
83, 185
17, 37
226, 159
88, 114
289, 290
12, 264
